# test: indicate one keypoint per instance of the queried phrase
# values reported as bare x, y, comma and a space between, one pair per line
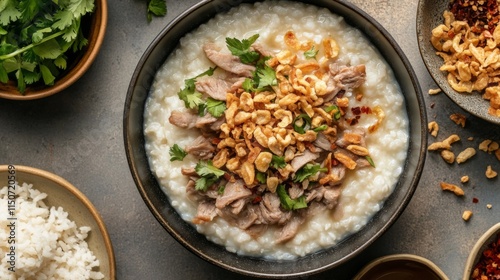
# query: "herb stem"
21, 50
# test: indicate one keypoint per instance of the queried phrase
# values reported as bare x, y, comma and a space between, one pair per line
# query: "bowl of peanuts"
460, 46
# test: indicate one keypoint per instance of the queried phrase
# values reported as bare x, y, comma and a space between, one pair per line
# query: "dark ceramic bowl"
159, 204
430, 15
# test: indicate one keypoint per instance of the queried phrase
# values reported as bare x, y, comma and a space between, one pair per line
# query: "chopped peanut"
467, 215
452, 188
490, 173
465, 155
448, 156
458, 119
433, 128
434, 91
464, 179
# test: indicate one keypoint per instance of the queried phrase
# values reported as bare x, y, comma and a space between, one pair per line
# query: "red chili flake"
257, 199
216, 141
480, 15
475, 200
227, 176
356, 110
488, 266
366, 110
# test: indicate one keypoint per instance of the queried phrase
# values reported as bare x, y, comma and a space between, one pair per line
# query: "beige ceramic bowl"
401, 266
94, 28
62, 193
482, 243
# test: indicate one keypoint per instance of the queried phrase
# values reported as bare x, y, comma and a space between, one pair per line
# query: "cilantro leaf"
215, 107
242, 50
156, 8
307, 171
192, 98
311, 53
277, 162
177, 153
267, 77
208, 173
206, 168
288, 203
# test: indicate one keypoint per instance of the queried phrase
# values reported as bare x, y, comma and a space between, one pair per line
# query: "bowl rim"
481, 244
80, 196
371, 29
398, 257
100, 19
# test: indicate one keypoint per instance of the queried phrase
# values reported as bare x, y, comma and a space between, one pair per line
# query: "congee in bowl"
275, 138
287, 153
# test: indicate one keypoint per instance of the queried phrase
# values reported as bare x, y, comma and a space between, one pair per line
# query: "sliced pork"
227, 61
232, 192
201, 148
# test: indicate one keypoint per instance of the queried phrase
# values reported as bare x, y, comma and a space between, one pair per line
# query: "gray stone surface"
77, 134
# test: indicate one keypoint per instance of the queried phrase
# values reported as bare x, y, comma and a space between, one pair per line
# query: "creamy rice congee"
363, 190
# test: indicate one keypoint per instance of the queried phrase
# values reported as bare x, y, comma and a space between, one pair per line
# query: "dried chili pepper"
488, 266
479, 14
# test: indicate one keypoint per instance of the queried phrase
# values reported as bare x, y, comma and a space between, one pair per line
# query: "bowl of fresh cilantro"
45, 46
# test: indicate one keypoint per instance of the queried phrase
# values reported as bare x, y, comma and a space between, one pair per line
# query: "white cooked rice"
363, 192
48, 244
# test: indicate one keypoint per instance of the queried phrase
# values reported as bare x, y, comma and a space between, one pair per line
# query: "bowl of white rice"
385, 101
50, 229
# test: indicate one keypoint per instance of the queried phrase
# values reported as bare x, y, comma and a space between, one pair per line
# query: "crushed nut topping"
452, 188
285, 137
467, 41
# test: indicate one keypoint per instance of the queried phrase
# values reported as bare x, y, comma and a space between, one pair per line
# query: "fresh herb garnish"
290, 204
221, 189
208, 173
277, 162
157, 8
335, 110
242, 50
177, 153
261, 177
311, 53
192, 98
215, 107
307, 171
370, 160
320, 128
35, 37
301, 123
267, 77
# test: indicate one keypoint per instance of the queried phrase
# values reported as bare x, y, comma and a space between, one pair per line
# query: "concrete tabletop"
77, 134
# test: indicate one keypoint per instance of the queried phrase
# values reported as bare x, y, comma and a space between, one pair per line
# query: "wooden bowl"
94, 28
79, 208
